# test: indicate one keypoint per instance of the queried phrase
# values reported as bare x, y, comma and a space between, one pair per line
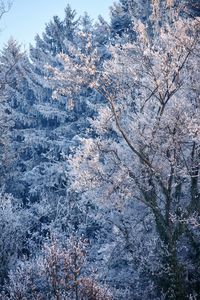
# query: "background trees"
40, 131
103, 130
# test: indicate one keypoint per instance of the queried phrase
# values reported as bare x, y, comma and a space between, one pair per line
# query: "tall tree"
147, 141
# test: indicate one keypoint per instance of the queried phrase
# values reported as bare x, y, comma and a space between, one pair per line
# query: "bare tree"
5, 6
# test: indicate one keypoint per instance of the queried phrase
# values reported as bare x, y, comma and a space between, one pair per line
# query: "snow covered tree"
146, 147
19, 98
70, 23
15, 224
58, 33
10, 60
121, 22
124, 14
102, 32
43, 136
57, 273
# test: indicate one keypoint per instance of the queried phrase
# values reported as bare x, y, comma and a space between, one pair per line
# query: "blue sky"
28, 17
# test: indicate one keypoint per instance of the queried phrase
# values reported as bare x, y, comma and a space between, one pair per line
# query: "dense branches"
101, 123
153, 156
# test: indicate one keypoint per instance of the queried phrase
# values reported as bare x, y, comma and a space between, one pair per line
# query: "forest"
100, 156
